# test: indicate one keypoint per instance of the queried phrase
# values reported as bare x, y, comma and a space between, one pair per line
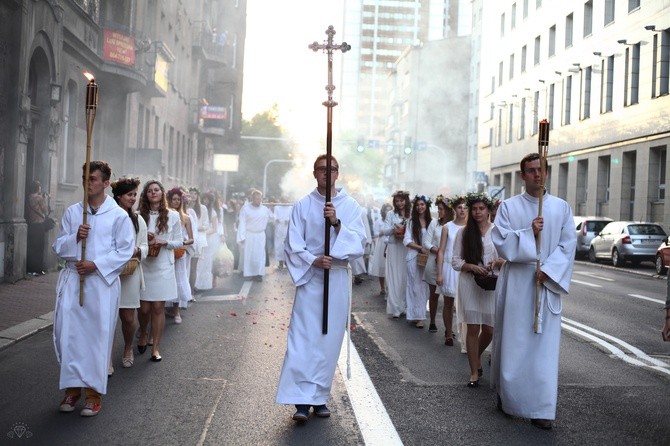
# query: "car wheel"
660, 269
616, 258
592, 255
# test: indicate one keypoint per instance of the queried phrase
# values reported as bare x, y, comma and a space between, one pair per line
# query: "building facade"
169, 98
599, 72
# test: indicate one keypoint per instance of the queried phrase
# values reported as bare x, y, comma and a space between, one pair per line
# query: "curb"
25, 330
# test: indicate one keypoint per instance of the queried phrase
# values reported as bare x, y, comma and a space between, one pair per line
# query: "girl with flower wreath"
176, 201
396, 271
475, 254
417, 290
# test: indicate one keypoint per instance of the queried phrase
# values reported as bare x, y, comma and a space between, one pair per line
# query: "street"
217, 381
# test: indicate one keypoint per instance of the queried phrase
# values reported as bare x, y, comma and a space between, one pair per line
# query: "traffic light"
407, 147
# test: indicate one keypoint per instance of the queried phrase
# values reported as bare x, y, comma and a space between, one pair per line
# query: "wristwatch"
337, 223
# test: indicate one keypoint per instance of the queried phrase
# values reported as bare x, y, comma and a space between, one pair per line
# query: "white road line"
243, 294
373, 420
208, 421
650, 299
606, 345
585, 273
593, 285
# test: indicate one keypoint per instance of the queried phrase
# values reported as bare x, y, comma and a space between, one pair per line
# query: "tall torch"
543, 150
91, 107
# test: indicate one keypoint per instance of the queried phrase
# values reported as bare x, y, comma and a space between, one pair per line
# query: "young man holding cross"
311, 357
524, 366
83, 334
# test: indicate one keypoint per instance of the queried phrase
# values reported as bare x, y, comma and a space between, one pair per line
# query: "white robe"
311, 357
204, 279
524, 366
83, 335
358, 264
282, 215
131, 285
251, 231
396, 268
416, 295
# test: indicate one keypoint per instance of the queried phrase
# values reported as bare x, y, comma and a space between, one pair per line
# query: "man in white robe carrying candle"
524, 367
311, 357
83, 334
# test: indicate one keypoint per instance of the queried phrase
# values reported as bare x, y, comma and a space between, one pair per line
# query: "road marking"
208, 421
373, 420
601, 338
593, 285
650, 299
243, 294
584, 273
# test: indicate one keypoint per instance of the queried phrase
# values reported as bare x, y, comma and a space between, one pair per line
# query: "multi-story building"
599, 72
169, 89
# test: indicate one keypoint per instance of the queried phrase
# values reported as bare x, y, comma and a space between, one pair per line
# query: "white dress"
131, 285
377, 264
449, 274
431, 240
282, 215
159, 275
417, 290
204, 278
181, 267
476, 305
396, 268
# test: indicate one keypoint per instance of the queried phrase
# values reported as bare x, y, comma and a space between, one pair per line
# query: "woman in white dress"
417, 289
447, 276
200, 240
432, 243
205, 279
164, 235
396, 269
377, 264
124, 191
175, 199
474, 253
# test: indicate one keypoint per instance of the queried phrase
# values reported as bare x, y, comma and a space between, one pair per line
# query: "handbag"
179, 252
130, 267
154, 250
486, 281
49, 223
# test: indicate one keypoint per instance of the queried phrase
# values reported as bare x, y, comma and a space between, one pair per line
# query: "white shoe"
110, 370
177, 319
128, 361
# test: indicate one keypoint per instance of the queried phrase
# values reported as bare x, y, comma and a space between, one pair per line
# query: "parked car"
623, 241
663, 257
587, 228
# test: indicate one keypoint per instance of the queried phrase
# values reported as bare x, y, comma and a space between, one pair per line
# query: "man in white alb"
254, 218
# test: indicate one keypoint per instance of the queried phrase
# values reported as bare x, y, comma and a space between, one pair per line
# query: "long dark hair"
405, 196
416, 223
473, 249
145, 207
121, 187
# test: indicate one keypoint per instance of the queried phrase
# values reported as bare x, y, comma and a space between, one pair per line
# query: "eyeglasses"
333, 169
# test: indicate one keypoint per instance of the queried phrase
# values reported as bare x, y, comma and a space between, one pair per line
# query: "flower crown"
401, 193
125, 181
473, 197
423, 198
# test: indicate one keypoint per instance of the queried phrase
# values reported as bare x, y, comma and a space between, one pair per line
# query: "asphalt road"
217, 381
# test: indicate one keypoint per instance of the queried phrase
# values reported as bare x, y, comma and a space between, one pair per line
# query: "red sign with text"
118, 47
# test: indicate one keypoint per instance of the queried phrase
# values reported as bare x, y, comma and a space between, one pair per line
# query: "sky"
280, 68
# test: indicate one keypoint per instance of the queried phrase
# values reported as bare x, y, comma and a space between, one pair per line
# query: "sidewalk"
27, 307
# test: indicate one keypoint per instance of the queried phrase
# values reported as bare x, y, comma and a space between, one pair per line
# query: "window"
502, 24
550, 112
568, 30
663, 153
552, 41
568, 100
632, 75
588, 18
510, 126
609, 12
537, 50
536, 111
633, 5
525, 9
657, 160
604, 178
523, 58
500, 73
499, 135
606, 85
586, 92
511, 66
513, 17
522, 119
140, 127
538, 4
493, 84
661, 68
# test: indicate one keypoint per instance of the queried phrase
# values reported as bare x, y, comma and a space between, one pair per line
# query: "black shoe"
473, 384
358, 280
302, 413
542, 424
141, 349
432, 328
156, 358
321, 411
480, 372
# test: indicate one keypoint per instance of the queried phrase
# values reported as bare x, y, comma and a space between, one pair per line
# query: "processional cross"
328, 47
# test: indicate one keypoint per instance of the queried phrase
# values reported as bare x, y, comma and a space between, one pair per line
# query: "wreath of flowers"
423, 198
400, 193
473, 197
127, 181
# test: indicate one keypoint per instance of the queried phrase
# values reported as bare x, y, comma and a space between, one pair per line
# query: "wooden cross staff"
328, 47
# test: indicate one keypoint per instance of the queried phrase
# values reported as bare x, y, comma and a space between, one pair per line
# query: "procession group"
146, 250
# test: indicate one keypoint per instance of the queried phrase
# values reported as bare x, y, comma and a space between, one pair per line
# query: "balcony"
209, 45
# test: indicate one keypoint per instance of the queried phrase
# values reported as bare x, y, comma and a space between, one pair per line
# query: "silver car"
587, 228
623, 241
